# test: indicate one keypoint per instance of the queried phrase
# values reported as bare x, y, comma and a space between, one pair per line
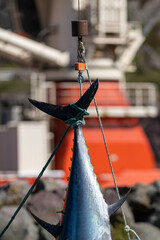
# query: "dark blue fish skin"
86, 213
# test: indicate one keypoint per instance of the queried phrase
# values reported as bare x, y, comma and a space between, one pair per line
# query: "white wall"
24, 146
32, 140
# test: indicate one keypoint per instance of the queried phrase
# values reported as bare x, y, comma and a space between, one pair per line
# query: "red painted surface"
129, 150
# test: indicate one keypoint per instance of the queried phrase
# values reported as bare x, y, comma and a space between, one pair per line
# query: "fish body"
86, 214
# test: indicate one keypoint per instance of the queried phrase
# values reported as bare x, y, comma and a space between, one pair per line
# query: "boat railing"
141, 94
142, 102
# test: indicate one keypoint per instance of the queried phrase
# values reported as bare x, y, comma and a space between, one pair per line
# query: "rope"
80, 79
78, 119
80, 83
128, 229
105, 143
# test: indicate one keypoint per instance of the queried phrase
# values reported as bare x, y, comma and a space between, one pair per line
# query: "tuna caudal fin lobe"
115, 206
66, 112
88, 96
52, 229
50, 109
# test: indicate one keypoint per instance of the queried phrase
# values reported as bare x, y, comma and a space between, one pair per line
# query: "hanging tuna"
86, 214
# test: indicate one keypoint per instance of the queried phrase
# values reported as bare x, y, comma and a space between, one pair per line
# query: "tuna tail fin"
52, 229
66, 112
115, 206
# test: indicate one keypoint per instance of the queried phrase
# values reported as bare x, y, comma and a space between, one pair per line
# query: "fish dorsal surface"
86, 213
